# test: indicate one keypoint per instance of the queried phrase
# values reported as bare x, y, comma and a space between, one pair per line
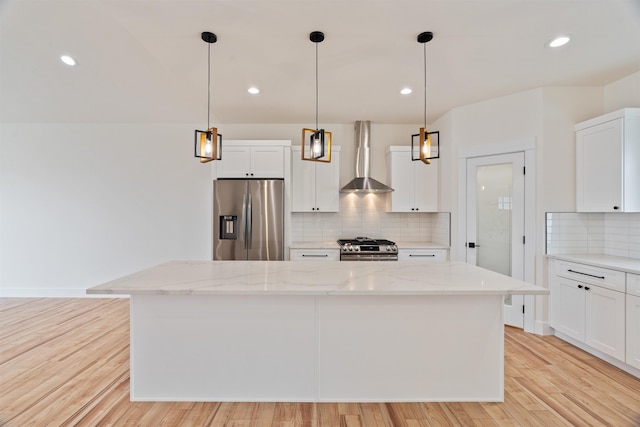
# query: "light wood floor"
65, 362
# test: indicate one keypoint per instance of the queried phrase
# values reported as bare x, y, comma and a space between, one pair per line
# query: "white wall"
622, 93
83, 204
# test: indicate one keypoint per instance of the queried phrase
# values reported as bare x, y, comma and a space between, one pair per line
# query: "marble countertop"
316, 278
629, 265
334, 245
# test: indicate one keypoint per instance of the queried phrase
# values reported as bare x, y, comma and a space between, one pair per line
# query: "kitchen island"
332, 331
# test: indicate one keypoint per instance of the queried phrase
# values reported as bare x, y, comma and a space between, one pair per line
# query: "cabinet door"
402, 182
314, 254
633, 331
424, 255
425, 186
267, 162
327, 184
568, 307
605, 321
303, 184
599, 170
235, 163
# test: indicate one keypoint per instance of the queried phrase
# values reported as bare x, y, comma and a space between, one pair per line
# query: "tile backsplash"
615, 234
364, 215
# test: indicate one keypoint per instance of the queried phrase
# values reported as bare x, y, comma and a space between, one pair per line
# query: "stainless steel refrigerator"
248, 219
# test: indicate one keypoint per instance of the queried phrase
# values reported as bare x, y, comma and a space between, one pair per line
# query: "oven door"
368, 257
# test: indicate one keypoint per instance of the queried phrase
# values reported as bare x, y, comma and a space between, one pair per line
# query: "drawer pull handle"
585, 274
427, 255
316, 256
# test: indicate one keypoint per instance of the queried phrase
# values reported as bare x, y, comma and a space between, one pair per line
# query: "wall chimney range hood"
363, 183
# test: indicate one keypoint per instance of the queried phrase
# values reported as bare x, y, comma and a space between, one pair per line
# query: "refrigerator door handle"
249, 222
243, 225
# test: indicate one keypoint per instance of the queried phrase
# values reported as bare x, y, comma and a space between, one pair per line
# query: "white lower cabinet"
633, 331
568, 307
633, 320
314, 254
591, 314
605, 321
432, 255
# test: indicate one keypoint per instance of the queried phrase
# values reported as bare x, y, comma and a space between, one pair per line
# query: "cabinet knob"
579, 286
616, 208
586, 288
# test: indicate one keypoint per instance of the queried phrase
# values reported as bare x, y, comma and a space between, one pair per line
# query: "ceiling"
143, 61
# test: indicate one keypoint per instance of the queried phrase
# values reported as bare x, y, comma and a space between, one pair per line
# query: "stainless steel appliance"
366, 249
248, 219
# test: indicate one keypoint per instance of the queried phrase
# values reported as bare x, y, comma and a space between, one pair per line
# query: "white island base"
317, 348
317, 332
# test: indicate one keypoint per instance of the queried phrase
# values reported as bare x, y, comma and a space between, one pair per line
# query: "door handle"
472, 245
249, 222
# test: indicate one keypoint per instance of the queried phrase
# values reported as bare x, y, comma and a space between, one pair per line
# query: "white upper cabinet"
315, 186
415, 184
252, 159
608, 163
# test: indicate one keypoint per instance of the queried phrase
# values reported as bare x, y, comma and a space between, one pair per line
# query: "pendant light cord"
209, 87
316, 86
424, 45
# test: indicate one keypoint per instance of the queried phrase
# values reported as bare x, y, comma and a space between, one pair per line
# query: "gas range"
367, 249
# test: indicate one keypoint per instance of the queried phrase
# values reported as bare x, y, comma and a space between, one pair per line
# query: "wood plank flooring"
65, 362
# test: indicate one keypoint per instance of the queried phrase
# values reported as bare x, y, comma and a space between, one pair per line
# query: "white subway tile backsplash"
364, 215
615, 234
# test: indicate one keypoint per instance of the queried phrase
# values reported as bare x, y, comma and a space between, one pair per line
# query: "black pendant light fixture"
428, 144
316, 143
208, 143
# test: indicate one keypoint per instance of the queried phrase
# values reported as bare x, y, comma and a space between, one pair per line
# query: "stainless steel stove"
366, 249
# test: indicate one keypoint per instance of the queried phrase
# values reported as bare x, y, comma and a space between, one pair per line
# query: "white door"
495, 221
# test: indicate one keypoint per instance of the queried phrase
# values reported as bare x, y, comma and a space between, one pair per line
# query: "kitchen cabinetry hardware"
586, 274
315, 256
422, 255
586, 288
580, 286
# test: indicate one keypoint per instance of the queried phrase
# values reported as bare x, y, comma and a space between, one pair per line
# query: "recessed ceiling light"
253, 90
68, 60
559, 41
406, 91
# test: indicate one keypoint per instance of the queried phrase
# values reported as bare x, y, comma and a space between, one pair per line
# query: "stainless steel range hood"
363, 182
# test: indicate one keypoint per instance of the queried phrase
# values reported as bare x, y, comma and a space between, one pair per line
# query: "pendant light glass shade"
425, 146
208, 143
316, 143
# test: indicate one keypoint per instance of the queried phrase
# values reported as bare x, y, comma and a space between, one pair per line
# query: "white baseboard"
51, 293
543, 328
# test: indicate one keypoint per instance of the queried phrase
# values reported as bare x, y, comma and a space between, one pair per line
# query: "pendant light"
316, 143
428, 142
208, 143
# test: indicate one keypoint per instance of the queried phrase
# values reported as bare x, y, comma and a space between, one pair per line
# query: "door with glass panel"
495, 221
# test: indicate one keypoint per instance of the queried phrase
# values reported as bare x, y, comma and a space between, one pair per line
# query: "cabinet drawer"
422, 255
610, 279
633, 284
314, 254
